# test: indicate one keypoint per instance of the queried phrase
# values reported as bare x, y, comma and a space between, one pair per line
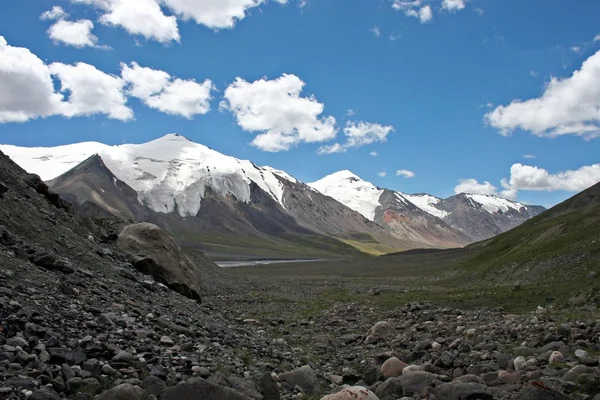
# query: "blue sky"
432, 81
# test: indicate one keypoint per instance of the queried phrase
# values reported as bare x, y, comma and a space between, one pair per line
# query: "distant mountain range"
463, 218
225, 204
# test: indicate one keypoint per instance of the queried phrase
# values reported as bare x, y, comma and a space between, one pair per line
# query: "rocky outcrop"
154, 253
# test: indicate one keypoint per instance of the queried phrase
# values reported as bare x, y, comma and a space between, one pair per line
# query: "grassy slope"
227, 246
549, 258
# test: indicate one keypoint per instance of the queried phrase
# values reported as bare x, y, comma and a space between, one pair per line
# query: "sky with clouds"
437, 96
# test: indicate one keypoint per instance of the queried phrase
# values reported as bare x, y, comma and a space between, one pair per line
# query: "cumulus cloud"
597, 38
414, 8
453, 5
54, 14
576, 49
525, 177
91, 91
277, 111
405, 173
157, 89
373, 154
138, 17
530, 156
215, 14
73, 33
359, 134
375, 31
569, 106
382, 174
26, 88
472, 186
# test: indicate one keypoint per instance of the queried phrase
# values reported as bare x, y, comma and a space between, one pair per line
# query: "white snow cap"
355, 193
169, 173
494, 204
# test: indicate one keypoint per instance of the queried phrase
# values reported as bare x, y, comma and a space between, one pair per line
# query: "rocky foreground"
83, 316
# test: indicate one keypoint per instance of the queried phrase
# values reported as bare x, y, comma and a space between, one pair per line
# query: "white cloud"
405, 173
373, 154
138, 17
73, 33
525, 177
453, 5
472, 186
350, 113
425, 14
597, 38
331, 148
414, 9
91, 91
375, 31
26, 88
54, 14
277, 111
382, 174
529, 156
576, 49
533, 73
216, 14
569, 106
479, 11
157, 89
359, 134
395, 36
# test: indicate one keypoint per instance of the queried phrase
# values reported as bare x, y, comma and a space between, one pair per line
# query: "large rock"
352, 393
392, 367
303, 377
462, 390
199, 389
391, 389
537, 391
381, 330
124, 392
156, 254
418, 382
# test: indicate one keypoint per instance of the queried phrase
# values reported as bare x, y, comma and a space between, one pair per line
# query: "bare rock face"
154, 253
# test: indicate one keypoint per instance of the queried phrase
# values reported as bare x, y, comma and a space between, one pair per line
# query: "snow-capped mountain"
464, 217
190, 188
169, 174
391, 209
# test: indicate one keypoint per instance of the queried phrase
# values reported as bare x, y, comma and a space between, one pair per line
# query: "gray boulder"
540, 392
391, 389
154, 253
199, 389
462, 390
303, 377
124, 392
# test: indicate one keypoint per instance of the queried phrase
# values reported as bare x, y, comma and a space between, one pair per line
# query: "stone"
199, 389
462, 390
581, 354
352, 393
167, 341
391, 389
417, 382
509, 378
537, 391
447, 359
268, 387
124, 392
157, 255
393, 367
44, 393
154, 386
123, 357
520, 363
304, 377
556, 357
381, 330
